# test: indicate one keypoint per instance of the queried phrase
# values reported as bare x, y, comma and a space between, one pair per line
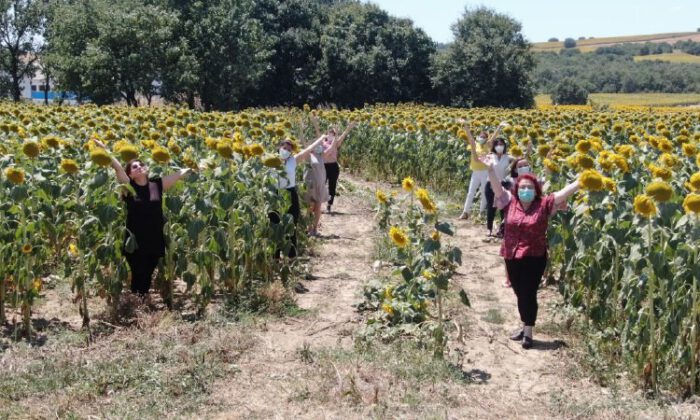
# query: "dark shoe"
527, 342
517, 336
300, 288
328, 209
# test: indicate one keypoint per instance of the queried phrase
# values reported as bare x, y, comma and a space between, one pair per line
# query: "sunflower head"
31, 149
224, 149
128, 152
435, 236
256, 149
591, 180
272, 161
27, 248
694, 183
15, 175
398, 237
160, 154
659, 191
644, 206
691, 204
69, 166
100, 156
381, 197
408, 184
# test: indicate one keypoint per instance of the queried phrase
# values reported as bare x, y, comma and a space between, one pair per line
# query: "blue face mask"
526, 196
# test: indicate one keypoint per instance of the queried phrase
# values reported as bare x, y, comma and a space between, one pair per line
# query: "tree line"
613, 70
231, 54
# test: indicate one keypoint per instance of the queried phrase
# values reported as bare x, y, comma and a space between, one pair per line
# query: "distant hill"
587, 45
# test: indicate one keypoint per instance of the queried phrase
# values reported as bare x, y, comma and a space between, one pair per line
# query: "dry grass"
588, 45
162, 367
676, 57
634, 99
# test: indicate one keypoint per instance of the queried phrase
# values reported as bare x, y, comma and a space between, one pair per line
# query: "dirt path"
283, 379
279, 366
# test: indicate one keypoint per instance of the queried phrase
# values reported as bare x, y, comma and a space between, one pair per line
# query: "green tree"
489, 63
369, 56
223, 53
569, 92
21, 27
569, 43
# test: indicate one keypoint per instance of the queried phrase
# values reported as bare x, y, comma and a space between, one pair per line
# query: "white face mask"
499, 149
318, 150
523, 170
285, 154
481, 140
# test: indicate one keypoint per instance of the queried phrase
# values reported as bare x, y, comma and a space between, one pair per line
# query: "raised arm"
339, 141
472, 144
300, 132
301, 156
562, 195
496, 133
170, 180
122, 177
496, 186
314, 121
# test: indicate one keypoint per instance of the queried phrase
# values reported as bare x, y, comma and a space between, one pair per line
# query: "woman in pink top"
330, 157
524, 246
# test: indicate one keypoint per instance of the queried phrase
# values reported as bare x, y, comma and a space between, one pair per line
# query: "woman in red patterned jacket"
524, 246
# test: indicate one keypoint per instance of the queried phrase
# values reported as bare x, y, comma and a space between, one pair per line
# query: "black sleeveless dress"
144, 218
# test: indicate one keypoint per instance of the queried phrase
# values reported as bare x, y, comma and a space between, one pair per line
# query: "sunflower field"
625, 254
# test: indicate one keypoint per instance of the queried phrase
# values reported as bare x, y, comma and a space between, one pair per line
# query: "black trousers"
525, 275
490, 209
141, 267
332, 174
295, 211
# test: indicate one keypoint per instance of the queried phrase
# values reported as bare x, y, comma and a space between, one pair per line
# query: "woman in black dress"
144, 219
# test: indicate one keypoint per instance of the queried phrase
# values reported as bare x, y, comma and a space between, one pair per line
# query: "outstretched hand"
99, 143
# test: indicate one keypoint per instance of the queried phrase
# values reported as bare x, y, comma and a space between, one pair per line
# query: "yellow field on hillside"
634, 99
676, 57
588, 45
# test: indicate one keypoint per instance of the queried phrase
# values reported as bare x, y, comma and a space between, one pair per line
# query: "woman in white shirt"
287, 181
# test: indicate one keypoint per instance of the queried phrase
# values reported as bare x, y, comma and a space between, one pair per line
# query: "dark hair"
514, 167
530, 177
501, 140
127, 167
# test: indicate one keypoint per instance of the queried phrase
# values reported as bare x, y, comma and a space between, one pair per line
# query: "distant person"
331, 145
479, 177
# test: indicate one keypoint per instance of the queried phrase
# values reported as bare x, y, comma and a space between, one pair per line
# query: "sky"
544, 19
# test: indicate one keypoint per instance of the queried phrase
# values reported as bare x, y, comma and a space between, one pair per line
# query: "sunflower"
644, 205
386, 307
272, 161
669, 160
15, 175
72, 250
51, 141
31, 149
224, 149
100, 156
174, 147
659, 172
516, 151
543, 150
435, 236
256, 149
408, 184
128, 152
26, 248
660, 191
609, 184
551, 165
160, 154
69, 166
585, 161
398, 237
381, 197
691, 204
689, 149
591, 180
694, 183
583, 146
